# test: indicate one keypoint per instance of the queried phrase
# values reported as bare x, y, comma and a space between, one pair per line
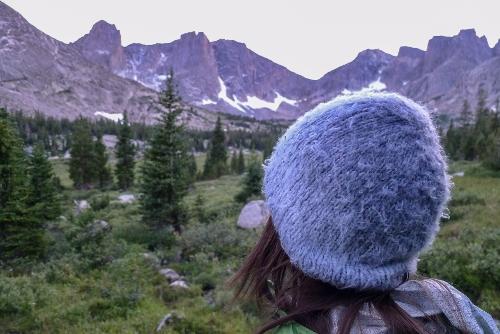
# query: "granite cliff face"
39, 73
97, 74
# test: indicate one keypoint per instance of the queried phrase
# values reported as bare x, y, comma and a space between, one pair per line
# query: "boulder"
81, 206
152, 259
126, 198
167, 319
170, 274
99, 227
179, 284
253, 215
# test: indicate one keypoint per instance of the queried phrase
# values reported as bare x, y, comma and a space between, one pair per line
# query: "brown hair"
268, 276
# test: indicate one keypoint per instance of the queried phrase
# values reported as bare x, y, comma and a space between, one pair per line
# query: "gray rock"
167, 319
170, 274
179, 284
253, 215
126, 198
99, 227
152, 259
81, 206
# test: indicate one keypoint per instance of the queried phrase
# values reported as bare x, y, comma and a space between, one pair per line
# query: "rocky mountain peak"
496, 48
102, 45
103, 30
409, 52
373, 55
466, 45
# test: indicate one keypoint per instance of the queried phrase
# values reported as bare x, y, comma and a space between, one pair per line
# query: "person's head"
356, 189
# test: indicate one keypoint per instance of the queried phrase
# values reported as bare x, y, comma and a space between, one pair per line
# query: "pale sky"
310, 37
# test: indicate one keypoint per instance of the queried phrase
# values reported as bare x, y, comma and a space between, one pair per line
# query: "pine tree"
252, 182
216, 161
466, 114
43, 196
125, 153
234, 162
22, 235
192, 167
491, 158
165, 176
81, 164
241, 162
452, 142
482, 125
103, 175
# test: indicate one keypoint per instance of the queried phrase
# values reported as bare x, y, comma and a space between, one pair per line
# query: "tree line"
475, 135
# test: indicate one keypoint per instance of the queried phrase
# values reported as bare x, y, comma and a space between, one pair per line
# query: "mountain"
97, 76
39, 73
227, 76
223, 75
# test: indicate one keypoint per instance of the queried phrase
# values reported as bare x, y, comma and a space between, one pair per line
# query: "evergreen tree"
103, 175
466, 114
165, 174
192, 167
234, 162
452, 142
22, 235
241, 162
216, 161
43, 196
482, 125
125, 153
252, 182
491, 158
81, 164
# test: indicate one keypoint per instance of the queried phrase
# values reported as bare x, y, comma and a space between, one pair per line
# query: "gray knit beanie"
356, 188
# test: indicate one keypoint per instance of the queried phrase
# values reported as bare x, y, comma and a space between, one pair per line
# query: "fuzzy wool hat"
356, 189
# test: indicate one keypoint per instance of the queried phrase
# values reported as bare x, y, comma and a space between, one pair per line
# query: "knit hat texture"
356, 188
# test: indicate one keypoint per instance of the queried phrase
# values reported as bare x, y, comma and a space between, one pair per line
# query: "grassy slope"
128, 296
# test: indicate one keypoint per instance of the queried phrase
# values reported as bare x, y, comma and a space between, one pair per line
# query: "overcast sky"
309, 37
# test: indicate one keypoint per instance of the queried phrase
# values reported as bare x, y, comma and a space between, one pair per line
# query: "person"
356, 189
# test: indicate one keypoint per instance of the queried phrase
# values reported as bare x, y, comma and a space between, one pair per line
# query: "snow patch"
223, 96
256, 103
207, 101
102, 52
375, 86
252, 102
111, 116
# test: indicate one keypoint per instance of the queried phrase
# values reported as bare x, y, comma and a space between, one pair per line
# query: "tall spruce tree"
216, 161
81, 164
241, 162
103, 176
252, 182
165, 172
192, 167
452, 142
125, 153
43, 197
234, 162
22, 235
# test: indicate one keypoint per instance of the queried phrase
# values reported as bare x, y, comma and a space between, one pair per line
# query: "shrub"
470, 262
100, 202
